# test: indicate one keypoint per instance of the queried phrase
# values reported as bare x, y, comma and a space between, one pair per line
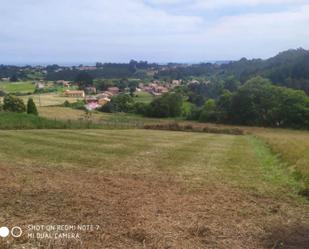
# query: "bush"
120, 103
13, 104
31, 107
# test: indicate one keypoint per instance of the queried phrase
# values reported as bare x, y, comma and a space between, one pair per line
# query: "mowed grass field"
150, 189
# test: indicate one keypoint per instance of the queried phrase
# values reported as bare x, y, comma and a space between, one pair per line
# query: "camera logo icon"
16, 232
4, 232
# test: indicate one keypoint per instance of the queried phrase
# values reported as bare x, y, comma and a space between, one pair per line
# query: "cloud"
216, 4
80, 30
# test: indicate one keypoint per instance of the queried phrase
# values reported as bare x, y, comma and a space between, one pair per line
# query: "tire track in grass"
274, 172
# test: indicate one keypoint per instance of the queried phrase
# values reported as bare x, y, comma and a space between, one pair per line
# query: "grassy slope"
291, 146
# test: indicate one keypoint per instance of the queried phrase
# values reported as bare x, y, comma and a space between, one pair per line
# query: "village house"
64, 83
40, 84
104, 95
176, 82
94, 102
103, 101
114, 90
91, 99
76, 94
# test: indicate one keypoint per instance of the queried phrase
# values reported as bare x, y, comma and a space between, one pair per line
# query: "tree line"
257, 102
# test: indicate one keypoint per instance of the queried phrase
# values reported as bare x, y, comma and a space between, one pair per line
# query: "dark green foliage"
102, 85
13, 104
223, 105
14, 78
289, 68
2, 93
260, 103
159, 108
79, 105
140, 108
31, 107
231, 84
209, 112
84, 80
169, 105
196, 98
120, 103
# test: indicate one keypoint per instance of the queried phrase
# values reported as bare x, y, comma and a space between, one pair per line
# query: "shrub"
31, 107
13, 104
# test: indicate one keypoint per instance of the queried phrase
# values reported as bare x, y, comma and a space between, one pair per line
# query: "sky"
84, 31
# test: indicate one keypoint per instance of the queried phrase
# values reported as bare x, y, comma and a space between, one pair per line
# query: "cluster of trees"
14, 104
104, 70
258, 102
169, 105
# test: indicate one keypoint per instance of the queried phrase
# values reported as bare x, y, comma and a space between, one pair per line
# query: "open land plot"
47, 99
150, 189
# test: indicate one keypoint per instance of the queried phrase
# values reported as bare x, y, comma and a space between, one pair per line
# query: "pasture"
151, 189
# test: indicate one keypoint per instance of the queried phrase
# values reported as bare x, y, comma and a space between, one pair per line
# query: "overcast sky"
84, 31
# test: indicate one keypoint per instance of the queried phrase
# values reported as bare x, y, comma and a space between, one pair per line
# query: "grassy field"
151, 189
46, 99
17, 87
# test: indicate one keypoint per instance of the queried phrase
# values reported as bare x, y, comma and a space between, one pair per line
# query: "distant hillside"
289, 68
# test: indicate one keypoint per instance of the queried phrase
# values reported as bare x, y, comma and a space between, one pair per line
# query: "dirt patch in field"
135, 211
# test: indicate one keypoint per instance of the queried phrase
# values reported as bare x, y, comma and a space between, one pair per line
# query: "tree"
254, 102
14, 78
31, 107
208, 113
231, 84
132, 86
13, 104
119, 103
84, 80
258, 102
223, 104
169, 105
159, 108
